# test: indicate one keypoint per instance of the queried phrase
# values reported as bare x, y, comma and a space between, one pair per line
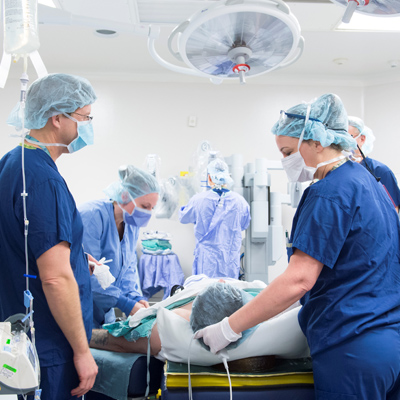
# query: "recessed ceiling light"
340, 61
106, 33
367, 23
48, 3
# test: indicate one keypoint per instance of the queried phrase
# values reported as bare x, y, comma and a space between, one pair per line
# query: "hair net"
214, 303
329, 124
219, 172
52, 94
116, 192
365, 131
137, 182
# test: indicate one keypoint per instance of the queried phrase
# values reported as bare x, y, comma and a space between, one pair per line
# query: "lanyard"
32, 139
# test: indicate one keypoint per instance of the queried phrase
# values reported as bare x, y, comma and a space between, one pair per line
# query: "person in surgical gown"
111, 231
219, 217
344, 262
365, 139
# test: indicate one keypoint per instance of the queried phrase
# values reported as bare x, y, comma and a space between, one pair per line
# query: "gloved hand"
218, 336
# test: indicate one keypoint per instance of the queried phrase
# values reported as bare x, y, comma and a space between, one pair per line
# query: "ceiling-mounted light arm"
351, 7
153, 35
179, 29
296, 56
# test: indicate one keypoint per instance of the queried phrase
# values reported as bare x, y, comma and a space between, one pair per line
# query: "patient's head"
213, 304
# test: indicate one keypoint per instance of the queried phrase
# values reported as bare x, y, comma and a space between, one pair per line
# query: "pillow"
280, 336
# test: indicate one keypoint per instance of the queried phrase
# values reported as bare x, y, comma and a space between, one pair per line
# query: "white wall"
134, 119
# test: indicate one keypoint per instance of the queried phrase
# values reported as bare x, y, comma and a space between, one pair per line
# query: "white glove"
103, 275
218, 336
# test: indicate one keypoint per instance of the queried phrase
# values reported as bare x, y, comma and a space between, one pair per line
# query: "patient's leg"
101, 339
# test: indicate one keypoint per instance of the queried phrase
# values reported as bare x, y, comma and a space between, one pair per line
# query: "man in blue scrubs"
344, 262
57, 113
219, 217
111, 231
365, 139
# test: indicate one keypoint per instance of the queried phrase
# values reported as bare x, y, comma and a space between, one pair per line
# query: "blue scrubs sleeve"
187, 214
245, 220
322, 229
50, 218
389, 181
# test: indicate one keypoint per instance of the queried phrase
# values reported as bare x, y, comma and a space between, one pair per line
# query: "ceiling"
68, 43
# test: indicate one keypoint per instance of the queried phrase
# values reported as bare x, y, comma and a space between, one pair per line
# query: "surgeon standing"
57, 113
344, 262
111, 231
365, 138
219, 217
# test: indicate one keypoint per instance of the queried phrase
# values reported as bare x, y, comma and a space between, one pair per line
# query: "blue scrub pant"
57, 382
366, 367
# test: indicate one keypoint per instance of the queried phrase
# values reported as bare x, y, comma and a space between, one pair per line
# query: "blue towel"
114, 372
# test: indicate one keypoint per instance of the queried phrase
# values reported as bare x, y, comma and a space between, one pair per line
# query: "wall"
133, 119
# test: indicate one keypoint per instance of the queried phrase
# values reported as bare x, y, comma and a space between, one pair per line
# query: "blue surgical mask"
139, 217
85, 135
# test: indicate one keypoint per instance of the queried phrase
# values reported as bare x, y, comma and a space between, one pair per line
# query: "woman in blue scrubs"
219, 217
111, 231
344, 262
365, 139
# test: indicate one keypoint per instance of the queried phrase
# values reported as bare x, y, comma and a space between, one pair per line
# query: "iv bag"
20, 27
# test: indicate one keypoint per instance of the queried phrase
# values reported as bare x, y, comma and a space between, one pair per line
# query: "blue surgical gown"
347, 222
218, 225
101, 239
387, 178
53, 218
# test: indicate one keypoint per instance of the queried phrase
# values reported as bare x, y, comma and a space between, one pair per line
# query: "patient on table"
204, 301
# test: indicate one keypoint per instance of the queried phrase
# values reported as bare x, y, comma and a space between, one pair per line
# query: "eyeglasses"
86, 117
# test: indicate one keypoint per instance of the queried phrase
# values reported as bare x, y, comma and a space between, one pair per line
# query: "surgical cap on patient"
52, 94
365, 131
133, 183
214, 303
219, 172
328, 124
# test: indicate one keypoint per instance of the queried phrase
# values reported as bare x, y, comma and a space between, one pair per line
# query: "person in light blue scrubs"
57, 113
219, 217
111, 231
344, 262
382, 172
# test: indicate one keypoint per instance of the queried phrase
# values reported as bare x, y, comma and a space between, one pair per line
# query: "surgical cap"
133, 183
52, 94
219, 172
365, 131
328, 127
214, 303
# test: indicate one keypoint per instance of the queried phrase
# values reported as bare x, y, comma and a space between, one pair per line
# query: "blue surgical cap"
219, 172
329, 124
52, 94
133, 183
214, 303
365, 131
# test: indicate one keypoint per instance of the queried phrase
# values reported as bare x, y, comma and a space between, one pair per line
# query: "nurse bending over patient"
344, 262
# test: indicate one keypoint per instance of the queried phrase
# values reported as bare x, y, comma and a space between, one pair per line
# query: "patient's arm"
101, 339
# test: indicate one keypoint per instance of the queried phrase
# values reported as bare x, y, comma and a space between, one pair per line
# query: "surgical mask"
85, 135
139, 217
295, 166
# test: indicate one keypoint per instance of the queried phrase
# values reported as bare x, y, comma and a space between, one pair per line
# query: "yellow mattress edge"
205, 380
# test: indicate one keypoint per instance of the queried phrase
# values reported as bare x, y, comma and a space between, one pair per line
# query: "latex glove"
218, 336
103, 274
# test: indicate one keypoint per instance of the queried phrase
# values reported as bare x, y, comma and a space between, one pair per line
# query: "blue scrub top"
387, 178
101, 239
53, 218
347, 222
218, 224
